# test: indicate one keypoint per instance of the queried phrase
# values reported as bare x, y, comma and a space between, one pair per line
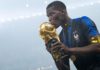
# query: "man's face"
56, 17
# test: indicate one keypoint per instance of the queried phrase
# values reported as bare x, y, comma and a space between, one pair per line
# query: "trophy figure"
49, 35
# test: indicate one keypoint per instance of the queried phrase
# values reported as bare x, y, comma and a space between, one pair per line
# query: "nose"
51, 18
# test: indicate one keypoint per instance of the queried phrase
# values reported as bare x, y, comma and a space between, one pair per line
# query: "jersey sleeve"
92, 29
93, 33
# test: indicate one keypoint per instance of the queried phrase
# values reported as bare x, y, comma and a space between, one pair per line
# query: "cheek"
61, 16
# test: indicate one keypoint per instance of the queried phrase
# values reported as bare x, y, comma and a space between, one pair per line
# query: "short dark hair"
57, 5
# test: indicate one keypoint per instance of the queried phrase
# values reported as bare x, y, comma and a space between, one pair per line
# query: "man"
79, 38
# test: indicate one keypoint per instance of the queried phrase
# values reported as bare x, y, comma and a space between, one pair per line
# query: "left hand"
59, 45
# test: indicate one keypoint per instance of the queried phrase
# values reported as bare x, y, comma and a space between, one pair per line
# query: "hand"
64, 48
58, 45
51, 46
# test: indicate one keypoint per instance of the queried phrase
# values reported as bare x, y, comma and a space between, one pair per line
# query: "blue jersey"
80, 26
78, 33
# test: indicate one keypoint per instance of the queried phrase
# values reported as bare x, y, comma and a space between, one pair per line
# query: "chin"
56, 26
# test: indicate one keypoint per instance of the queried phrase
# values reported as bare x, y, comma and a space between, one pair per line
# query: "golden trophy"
49, 35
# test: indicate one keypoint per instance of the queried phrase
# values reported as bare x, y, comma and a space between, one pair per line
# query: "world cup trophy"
49, 35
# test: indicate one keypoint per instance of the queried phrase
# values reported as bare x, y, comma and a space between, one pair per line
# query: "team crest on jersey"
76, 35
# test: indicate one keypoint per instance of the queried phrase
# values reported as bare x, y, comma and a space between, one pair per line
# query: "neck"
67, 21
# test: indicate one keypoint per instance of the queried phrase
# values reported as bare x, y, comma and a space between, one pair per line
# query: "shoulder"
85, 17
92, 29
87, 21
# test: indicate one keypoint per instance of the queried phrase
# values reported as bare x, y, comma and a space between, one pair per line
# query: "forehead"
51, 9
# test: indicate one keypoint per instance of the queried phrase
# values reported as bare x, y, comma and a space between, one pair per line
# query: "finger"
55, 48
55, 44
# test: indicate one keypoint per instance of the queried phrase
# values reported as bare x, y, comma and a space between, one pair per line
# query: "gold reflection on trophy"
48, 32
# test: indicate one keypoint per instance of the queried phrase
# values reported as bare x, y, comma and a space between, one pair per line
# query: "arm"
93, 48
